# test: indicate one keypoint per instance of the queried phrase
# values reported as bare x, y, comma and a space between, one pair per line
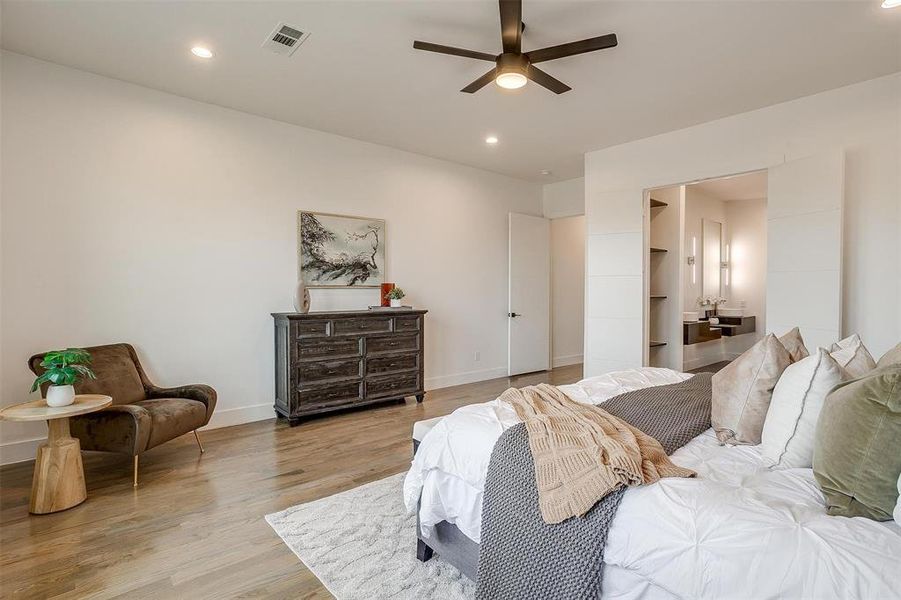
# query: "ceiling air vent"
285, 39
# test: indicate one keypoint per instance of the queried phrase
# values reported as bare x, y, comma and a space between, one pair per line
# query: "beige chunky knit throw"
582, 453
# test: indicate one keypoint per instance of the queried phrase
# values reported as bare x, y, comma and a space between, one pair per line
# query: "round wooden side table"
58, 481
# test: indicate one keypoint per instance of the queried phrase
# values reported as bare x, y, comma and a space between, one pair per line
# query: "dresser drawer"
328, 395
310, 328
393, 344
324, 370
317, 347
392, 385
391, 363
406, 323
361, 325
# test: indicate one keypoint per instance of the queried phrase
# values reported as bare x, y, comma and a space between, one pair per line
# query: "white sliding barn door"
529, 315
804, 248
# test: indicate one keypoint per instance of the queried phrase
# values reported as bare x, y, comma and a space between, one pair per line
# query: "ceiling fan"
513, 67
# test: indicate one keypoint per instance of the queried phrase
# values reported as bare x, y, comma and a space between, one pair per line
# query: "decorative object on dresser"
386, 287
142, 415
301, 297
326, 361
395, 296
340, 250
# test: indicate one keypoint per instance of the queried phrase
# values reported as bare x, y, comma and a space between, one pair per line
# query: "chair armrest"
198, 392
123, 428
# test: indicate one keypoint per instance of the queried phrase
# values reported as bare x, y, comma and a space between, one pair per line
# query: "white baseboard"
20, 451
443, 381
241, 415
565, 361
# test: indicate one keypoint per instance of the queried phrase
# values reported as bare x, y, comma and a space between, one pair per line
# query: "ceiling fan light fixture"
511, 81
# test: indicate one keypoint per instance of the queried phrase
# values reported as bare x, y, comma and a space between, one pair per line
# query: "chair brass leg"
197, 437
136, 472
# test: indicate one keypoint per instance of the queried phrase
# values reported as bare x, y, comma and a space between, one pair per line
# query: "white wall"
135, 215
564, 198
863, 119
564, 203
567, 289
747, 239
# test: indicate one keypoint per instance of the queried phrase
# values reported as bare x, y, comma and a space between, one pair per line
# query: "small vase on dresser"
301, 298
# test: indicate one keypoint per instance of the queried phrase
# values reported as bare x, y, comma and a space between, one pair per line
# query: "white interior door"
529, 304
804, 248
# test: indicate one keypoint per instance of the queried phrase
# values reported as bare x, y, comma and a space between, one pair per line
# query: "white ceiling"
677, 64
751, 186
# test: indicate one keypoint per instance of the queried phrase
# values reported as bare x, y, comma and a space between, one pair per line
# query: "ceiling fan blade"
479, 83
572, 48
511, 25
545, 80
429, 47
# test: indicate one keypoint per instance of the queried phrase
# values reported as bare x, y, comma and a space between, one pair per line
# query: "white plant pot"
60, 395
396, 302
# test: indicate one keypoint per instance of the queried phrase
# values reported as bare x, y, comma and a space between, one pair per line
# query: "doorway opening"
705, 271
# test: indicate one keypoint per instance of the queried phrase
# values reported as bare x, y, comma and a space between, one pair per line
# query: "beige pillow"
853, 356
743, 389
892, 357
794, 343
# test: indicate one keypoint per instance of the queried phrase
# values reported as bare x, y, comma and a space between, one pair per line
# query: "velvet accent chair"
142, 415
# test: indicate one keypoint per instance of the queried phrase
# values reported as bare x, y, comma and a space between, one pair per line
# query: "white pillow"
789, 430
853, 356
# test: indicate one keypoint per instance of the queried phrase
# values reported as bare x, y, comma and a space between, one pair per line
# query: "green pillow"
857, 451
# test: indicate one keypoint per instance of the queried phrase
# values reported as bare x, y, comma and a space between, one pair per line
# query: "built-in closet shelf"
655, 250
658, 297
658, 203
657, 344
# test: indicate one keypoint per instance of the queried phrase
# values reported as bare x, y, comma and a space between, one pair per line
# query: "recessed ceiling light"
891, 4
202, 52
491, 140
545, 172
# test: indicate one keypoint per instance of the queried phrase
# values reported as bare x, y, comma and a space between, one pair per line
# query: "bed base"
451, 545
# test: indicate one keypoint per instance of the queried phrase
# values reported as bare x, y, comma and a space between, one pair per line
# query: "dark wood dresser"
326, 361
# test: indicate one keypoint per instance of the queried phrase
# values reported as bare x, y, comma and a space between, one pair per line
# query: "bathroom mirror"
712, 244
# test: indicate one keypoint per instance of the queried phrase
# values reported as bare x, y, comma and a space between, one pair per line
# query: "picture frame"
340, 251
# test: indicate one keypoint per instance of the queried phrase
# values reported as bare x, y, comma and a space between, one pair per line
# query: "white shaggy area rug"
362, 544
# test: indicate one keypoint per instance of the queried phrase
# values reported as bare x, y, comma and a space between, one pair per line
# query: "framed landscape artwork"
340, 251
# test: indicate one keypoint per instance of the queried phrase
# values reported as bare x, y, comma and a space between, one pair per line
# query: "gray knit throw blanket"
522, 557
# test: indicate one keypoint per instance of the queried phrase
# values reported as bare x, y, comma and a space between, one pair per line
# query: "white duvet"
738, 530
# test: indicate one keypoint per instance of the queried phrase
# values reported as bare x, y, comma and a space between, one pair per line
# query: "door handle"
513, 314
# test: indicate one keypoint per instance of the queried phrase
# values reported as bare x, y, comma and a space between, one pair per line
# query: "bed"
739, 530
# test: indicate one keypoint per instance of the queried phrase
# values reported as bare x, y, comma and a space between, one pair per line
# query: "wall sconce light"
725, 266
691, 259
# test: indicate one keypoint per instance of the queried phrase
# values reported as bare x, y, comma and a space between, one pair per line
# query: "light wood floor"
194, 528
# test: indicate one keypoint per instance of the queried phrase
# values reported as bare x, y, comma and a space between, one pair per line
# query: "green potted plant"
63, 369
395, 296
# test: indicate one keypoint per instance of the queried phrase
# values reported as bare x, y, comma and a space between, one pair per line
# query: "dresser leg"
294, 422
420, 398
